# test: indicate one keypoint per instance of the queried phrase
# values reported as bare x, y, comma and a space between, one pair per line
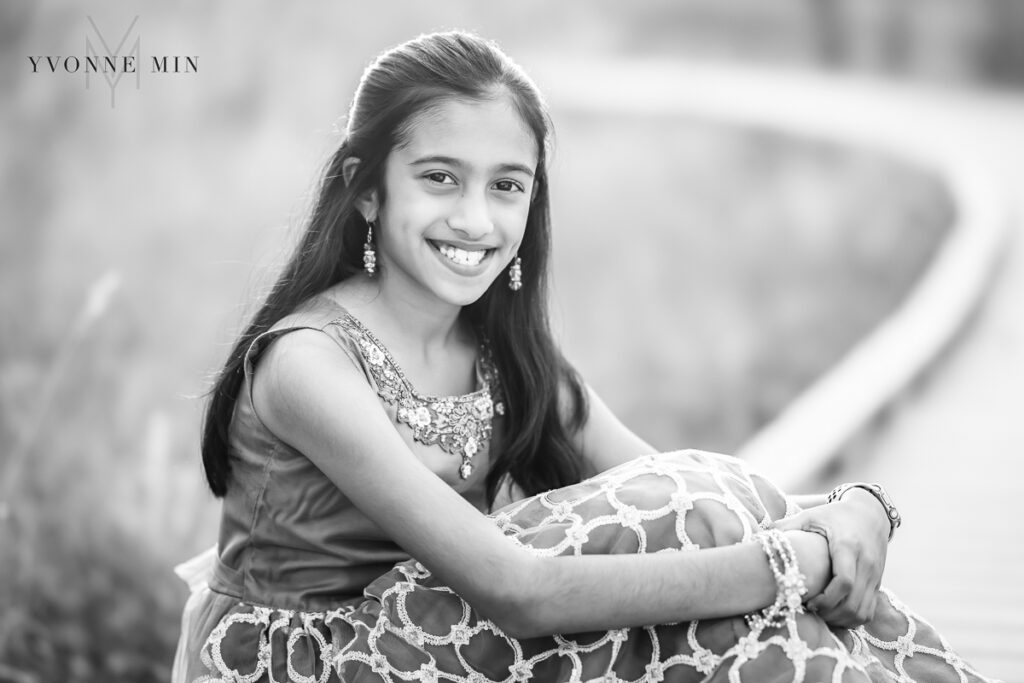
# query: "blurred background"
703, 274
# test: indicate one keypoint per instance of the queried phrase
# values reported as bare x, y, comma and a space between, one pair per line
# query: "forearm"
594, 592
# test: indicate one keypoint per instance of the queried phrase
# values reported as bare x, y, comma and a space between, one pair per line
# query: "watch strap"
880, 495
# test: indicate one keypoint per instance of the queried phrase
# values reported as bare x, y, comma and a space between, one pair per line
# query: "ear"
366, 202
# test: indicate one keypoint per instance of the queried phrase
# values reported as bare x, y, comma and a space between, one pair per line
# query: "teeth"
461, 256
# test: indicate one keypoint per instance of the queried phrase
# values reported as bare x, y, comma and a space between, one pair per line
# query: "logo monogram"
128, 60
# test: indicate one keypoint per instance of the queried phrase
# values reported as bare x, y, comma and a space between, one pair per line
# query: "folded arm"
856, 527
313, 398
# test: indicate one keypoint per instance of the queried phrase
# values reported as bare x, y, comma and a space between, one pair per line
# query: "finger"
837, 607
840, 615
872, 563
859, 605
843, 574
864, 597
831, 598
848, 617
856, 606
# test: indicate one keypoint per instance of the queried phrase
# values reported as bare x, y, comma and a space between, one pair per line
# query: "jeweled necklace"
460, 425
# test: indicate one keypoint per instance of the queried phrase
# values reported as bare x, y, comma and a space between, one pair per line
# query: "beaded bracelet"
790, 586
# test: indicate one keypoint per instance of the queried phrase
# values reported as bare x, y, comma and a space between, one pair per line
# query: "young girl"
400, 382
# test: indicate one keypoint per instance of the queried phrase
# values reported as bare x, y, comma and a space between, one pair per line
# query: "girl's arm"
856, 528
315, 399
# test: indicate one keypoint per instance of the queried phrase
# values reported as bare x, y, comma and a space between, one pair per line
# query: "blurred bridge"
932, 403
952, 449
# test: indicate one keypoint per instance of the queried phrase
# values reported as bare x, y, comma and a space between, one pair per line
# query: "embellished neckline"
480, 372
459, 424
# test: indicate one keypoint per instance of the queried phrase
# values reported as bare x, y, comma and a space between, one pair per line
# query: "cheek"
513, 221
412, 211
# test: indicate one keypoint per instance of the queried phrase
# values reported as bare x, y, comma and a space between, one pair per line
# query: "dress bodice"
289, 537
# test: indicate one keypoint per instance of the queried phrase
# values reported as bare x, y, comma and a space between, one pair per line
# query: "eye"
440, 177
509, 186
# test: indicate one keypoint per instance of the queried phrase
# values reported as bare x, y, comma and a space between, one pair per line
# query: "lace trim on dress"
460, 425
410, 626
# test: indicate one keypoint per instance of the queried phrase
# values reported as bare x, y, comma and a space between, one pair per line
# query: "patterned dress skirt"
409, 626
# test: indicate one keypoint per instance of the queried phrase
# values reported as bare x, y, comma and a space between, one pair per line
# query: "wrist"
870, 496
790, 582
813, 558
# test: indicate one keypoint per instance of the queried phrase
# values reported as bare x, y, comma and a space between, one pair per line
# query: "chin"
464, 298
464, 294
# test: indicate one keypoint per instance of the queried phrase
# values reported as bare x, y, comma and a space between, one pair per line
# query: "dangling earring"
369, 255
515, 274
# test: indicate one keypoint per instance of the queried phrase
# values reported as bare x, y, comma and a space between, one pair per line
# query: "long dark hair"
544, 397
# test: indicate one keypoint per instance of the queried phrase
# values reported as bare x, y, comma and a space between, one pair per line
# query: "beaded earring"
515, 274
369, 255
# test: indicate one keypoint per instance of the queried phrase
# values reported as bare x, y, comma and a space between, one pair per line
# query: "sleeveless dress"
304, 588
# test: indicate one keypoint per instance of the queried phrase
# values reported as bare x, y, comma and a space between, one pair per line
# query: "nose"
471, 215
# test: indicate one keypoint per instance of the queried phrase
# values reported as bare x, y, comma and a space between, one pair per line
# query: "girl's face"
457, 196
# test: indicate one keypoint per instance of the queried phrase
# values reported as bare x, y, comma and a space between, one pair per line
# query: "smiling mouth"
459, 256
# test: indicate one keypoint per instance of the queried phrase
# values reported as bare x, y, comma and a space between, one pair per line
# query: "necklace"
460, 425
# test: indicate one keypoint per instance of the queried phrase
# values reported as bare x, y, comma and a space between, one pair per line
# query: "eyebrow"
452, 161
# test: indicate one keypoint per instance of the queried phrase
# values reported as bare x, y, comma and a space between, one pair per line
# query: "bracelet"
790, 586
880, 495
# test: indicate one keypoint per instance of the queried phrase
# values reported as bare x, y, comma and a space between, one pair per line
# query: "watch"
880, 495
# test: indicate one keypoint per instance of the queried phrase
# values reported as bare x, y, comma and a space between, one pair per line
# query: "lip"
461, 269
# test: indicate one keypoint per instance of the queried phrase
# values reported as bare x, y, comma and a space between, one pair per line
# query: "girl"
400, 381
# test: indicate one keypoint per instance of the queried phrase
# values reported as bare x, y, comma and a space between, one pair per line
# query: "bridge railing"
903, 121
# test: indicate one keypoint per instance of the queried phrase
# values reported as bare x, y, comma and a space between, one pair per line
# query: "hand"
857, 531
